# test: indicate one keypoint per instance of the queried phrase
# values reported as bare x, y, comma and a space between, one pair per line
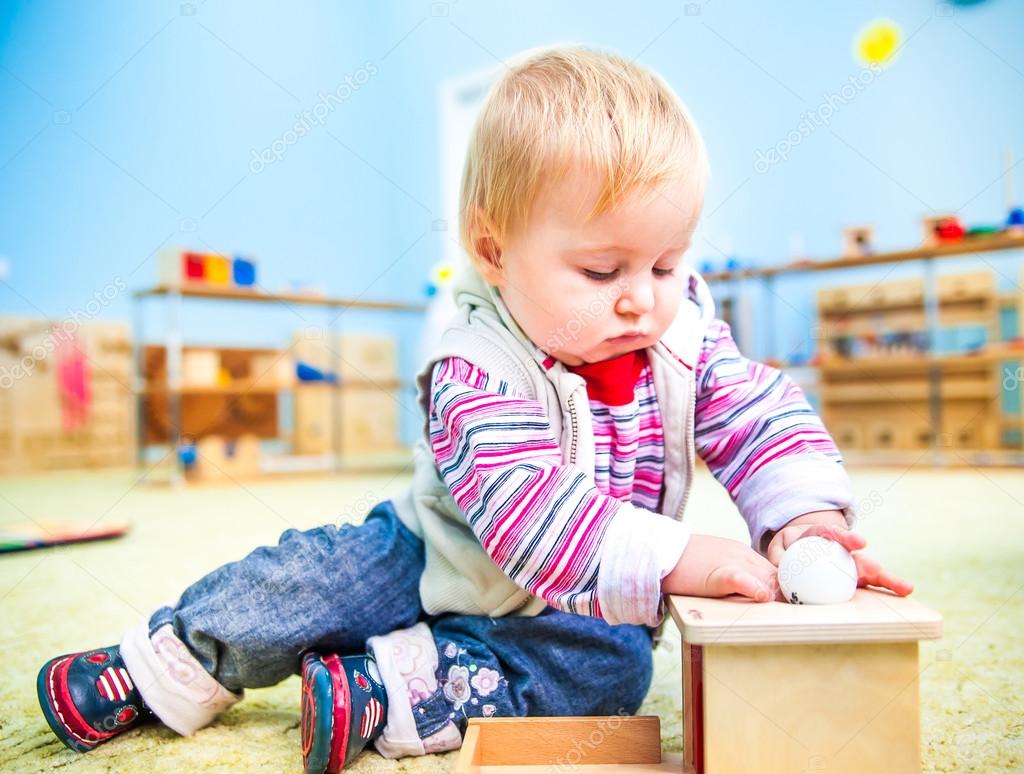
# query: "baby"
522, 571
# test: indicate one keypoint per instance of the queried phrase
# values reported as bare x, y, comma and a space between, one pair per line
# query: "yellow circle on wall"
877, 42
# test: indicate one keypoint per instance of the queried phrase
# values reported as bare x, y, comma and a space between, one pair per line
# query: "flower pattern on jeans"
465, 683
486, 681
456, 688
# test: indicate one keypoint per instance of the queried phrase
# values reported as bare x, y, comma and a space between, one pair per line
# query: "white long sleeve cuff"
639, 549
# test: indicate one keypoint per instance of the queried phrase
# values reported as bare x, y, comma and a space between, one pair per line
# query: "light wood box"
362, 420
356, 357
589, 745
773, 687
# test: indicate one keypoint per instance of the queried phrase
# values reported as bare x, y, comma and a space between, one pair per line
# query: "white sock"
174, 685
408, 660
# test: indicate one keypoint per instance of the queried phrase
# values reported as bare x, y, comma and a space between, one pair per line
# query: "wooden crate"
217, 412
220, 460
356, 357
32, 432
589, 745
980, 285
366, 420
774, 687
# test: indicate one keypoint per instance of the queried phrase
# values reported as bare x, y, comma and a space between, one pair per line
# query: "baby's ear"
485, 247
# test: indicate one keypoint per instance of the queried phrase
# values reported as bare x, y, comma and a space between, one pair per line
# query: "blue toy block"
243, 272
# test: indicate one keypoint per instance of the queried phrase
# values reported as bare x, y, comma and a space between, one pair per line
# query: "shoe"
88, 698
344, 707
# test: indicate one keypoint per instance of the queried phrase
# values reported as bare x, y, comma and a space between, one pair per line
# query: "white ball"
817, 571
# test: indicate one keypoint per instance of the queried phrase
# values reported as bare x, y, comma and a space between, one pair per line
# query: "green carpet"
958, 535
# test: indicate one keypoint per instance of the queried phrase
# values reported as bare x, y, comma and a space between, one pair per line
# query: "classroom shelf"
966, 246
943, 397
170, 394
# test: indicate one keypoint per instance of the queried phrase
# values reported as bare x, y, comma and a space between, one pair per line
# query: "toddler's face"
588, 291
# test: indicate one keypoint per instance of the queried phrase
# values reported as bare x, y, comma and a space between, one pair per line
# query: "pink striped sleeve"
762, 440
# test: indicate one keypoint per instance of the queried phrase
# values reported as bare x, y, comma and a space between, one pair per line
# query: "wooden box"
774, 687
40, 428
356, 357
347, 420
589, 745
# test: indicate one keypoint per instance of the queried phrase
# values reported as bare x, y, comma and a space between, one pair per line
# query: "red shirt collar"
611, 381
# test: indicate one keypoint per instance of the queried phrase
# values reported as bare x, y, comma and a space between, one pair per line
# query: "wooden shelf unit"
903, 401
950, 404
172, 408
966, 246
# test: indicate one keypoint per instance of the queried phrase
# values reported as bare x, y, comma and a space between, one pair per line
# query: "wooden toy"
243, 272
216, 459
588, 745
767, 687
937, 229
216, 269
184, 267
857, 241
774, 687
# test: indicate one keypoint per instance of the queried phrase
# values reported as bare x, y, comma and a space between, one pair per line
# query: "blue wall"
127, 126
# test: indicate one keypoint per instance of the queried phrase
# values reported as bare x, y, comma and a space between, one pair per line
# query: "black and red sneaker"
89, 697
344, 707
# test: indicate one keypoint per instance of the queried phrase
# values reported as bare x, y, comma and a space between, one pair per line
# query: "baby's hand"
869, 571
717, 567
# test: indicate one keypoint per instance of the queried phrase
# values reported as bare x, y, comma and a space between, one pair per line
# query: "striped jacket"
504, 494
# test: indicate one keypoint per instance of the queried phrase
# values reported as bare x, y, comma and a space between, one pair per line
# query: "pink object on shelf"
72, 374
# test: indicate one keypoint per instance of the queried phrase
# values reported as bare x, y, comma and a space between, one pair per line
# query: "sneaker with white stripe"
89, 697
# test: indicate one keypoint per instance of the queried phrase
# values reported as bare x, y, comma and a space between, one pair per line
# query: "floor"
957, 534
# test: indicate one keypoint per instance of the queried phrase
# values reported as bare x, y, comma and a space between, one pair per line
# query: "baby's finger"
851, 541
731, 580
871, 573
778, 546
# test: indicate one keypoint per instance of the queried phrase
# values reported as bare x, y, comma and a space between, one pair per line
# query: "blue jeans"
331, 588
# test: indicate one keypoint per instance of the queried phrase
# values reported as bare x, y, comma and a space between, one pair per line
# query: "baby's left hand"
869, 571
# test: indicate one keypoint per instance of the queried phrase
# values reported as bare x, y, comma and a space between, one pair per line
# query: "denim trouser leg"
553, 664
330, 588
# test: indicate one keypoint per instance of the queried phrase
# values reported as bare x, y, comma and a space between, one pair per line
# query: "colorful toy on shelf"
1015, 219
185, 267
304, 372
857, 241
939, 229
950, 230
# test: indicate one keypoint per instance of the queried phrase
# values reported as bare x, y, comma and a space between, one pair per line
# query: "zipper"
574, 441
689, 451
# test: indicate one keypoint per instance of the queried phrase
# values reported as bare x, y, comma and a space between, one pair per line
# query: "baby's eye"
664, 272
600, 276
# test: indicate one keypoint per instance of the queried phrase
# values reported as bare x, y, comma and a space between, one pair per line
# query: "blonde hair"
573, 108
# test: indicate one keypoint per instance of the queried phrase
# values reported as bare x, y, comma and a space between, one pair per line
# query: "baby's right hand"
716, 567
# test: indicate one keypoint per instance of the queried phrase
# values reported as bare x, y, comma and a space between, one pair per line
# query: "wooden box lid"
871, 616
